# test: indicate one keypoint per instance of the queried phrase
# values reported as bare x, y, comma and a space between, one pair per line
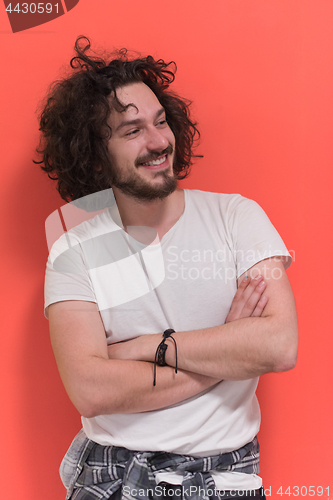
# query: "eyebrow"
138, 121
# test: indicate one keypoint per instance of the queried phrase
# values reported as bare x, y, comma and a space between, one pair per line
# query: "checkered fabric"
94, 472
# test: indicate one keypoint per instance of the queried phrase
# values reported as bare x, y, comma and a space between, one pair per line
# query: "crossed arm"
251, 342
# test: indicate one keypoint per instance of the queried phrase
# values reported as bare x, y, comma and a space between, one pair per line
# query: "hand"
248, 300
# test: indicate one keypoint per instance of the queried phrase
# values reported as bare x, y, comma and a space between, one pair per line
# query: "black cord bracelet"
160, 352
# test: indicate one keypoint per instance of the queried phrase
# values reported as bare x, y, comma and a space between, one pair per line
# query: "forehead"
145, 104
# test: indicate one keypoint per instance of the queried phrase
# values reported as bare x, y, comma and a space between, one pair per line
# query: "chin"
143, 190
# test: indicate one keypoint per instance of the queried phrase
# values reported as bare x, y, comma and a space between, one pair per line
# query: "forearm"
239, 350
98, 385
121, 386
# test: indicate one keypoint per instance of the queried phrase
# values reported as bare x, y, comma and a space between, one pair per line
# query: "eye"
162, 122
132, 132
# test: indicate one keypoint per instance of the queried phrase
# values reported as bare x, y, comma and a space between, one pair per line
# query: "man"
170, 413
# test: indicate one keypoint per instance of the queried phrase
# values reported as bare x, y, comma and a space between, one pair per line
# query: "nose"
156, 139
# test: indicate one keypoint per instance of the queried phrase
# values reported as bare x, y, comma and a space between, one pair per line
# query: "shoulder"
215, 197
77, 233
98, 225
226, 204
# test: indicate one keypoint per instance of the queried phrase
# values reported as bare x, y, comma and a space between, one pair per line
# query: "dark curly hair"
74, 120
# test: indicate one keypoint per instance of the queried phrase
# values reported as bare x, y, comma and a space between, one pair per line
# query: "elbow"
90, 407
286, 358
88, 411
91, 396
288, 362
89, 404
86, 406
83, 398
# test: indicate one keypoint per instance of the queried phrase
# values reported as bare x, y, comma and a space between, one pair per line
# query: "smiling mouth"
155, 158
153, 163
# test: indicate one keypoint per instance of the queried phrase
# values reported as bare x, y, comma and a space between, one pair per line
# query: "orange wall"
260, 73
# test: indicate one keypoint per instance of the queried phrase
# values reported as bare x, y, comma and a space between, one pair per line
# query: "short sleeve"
66, 276
254, 236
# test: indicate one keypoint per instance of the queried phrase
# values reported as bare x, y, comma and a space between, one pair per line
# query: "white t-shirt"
186, 282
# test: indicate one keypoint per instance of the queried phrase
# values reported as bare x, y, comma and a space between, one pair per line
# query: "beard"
142, 190
135, 186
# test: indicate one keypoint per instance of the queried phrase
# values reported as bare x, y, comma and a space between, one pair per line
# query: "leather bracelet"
161, 354
161, 350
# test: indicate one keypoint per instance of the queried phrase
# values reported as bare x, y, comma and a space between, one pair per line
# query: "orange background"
260, 73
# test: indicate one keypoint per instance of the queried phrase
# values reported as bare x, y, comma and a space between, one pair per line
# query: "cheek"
122, 155
171, 138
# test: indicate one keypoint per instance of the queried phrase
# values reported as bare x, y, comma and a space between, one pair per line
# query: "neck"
158, 214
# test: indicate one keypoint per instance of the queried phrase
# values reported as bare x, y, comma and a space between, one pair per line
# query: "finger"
251, 289
238, 300
252, 295
246, 298
241, 288
260, 306
245, 281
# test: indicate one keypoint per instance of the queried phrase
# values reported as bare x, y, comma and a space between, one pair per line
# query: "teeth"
156, 162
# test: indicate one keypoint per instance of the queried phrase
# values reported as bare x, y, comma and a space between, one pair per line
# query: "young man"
157, 348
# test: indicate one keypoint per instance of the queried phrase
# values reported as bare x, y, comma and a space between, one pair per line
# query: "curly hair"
74, 121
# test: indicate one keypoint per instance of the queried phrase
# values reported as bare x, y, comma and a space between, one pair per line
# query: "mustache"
153, 155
